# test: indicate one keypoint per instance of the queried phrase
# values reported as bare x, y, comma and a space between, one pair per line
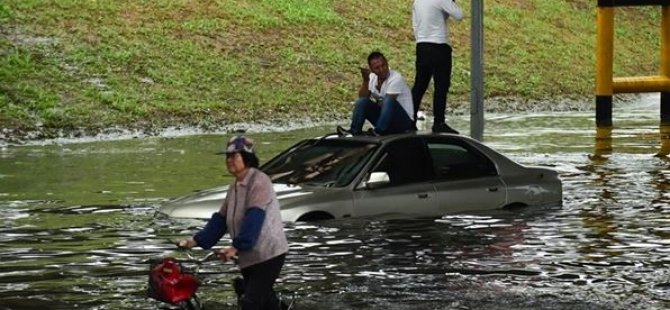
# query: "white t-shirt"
429, 19
394, 85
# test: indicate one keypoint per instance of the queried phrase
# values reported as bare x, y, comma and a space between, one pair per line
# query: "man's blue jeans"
387, 118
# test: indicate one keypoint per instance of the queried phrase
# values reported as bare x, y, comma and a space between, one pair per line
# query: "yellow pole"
665, 72
605, 51
604, 81
665, 41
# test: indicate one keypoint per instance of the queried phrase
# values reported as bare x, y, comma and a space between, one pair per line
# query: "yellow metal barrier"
641, 84
607, 85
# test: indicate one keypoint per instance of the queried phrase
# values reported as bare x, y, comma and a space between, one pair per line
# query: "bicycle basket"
169, 283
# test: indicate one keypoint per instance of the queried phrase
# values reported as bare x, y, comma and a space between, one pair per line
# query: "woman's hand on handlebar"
186, 243
228, 253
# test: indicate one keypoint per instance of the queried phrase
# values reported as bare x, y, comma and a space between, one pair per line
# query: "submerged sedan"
407, 175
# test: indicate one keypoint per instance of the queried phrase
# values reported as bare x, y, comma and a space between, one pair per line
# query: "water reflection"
78, 228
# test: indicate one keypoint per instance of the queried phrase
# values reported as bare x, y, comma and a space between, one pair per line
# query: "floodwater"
78, 227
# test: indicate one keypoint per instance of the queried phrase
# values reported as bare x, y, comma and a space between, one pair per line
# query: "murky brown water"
78, 226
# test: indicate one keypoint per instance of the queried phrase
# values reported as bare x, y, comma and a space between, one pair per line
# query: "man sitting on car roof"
384, 100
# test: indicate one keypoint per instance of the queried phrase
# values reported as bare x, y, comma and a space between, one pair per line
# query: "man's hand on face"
365, 73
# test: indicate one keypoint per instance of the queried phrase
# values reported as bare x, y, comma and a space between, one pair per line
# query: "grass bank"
93, 64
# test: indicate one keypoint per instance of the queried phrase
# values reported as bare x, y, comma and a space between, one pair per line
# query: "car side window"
455, 161
405, 161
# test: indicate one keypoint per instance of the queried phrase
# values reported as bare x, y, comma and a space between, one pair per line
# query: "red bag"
168, 283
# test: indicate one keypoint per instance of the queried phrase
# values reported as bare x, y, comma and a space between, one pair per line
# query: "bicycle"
173, 283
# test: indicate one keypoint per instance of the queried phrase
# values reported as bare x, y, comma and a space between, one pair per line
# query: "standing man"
433, 55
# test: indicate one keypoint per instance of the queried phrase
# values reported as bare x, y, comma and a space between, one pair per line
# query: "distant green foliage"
73, 63
274, 13
5, 14
302, 11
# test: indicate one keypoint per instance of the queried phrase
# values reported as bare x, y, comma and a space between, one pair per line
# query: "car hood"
203, 203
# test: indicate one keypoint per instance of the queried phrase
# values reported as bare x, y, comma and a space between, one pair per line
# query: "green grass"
93, 64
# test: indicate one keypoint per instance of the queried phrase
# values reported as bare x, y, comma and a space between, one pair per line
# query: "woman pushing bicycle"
250, 214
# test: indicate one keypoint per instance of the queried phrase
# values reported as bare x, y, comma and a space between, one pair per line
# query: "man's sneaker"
343, 132
442, 127
371, 132
421, 116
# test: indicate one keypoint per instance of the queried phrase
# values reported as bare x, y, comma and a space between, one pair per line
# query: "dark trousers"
258, 282
388, 117
432, 61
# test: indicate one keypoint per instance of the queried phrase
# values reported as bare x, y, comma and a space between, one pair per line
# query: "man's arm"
396, 86
452, 9
364, 90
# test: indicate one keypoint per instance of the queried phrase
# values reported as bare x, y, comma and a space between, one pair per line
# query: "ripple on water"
606, 247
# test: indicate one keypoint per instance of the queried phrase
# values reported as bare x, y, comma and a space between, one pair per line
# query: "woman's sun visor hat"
238, 144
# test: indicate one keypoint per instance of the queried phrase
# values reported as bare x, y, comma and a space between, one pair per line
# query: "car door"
409, 190
465, 179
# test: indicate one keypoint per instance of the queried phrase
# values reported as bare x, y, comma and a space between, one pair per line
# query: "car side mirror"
377, 179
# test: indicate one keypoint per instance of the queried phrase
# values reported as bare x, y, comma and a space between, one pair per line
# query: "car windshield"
325, 162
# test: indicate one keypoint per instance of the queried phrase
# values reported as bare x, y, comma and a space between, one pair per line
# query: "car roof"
503, 162
387, 138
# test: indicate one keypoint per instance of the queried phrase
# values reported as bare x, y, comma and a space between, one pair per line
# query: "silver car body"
408, 175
